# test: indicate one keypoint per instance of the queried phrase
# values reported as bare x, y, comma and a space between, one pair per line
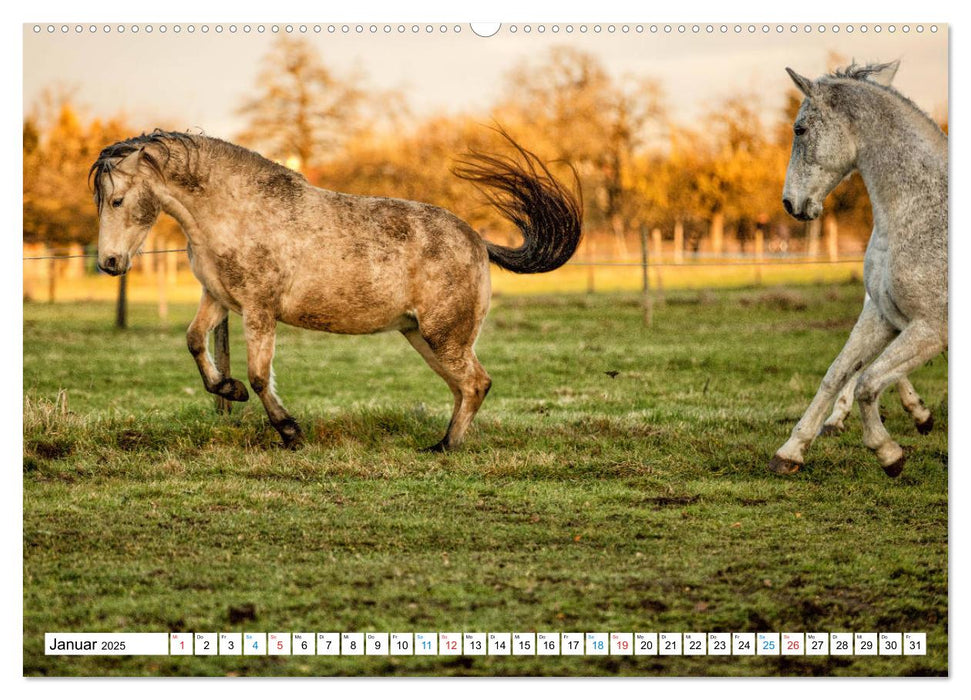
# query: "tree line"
718, 179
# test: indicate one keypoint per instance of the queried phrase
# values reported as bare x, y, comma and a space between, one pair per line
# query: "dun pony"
268, 245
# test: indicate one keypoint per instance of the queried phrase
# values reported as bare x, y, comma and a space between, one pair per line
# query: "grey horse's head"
823, 144
124, 176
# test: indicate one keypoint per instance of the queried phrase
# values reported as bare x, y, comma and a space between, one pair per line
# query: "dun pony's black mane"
116, 152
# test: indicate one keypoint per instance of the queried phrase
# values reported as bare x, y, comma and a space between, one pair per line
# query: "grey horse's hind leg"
841, 409
915, 345
452, 357
868, 337
259, 328
914, 405
210, 315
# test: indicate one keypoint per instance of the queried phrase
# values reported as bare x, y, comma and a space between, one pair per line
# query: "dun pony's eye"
799, 129
116, 202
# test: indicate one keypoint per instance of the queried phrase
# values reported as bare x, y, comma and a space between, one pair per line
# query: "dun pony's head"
823, 146
125, 177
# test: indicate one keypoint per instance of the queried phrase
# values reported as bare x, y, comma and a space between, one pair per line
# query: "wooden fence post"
646, 280
678, 242
759, 254
220, 338
121, 307
163, 288
832, 237
812, 234
591, 285
656, 243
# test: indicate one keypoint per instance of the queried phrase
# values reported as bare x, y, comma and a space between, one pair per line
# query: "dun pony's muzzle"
114, 265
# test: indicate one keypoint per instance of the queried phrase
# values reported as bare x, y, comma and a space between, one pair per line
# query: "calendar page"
438, 348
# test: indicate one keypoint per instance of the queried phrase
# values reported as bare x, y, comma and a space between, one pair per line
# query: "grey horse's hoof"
231, 389
290, 432
828, 430
926, 426
893, 470
781, 465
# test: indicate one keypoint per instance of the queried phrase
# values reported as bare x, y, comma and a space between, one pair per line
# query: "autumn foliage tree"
58, 148
568, 107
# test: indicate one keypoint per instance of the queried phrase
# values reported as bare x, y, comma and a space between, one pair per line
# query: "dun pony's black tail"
548, 214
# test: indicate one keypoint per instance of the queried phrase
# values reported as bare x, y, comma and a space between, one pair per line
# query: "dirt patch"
670, 501
52, 449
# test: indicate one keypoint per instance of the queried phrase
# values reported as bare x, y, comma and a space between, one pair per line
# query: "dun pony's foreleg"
260, 331
915, 345
210, 314
868, 337
450, 354
914, 405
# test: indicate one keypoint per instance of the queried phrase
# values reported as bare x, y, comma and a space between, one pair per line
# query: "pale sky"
198, 80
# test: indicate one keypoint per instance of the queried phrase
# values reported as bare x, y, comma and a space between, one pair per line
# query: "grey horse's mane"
862, 73
856, 71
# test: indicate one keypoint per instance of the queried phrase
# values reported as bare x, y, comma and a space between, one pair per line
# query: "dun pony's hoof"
893, 470
232, 389
290, 432
781, 465
828, 430
926, 426
440, 446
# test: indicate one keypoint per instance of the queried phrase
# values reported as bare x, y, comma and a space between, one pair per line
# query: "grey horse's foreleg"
915, 345
210, 314
260, 330
914, 405
453, 359
868, 337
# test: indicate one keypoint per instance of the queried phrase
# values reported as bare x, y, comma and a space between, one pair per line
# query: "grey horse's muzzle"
807, 212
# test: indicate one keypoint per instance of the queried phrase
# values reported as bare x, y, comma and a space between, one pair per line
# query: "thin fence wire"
92, 255
748, 262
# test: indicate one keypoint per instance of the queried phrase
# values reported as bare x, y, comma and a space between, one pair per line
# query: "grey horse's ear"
805, 85
884, 73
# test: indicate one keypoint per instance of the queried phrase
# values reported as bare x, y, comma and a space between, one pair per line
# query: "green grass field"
584, 500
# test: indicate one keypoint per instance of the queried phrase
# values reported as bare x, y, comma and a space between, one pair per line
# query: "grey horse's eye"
799, 129
116, 202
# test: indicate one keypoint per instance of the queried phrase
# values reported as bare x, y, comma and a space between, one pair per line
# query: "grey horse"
268, 245
854, 120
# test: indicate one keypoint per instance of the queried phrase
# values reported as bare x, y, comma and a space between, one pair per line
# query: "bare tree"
593, 120
301, 108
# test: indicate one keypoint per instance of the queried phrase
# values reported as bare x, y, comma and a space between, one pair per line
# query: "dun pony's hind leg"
450, 354
421, 345
868, 337
914, 405
915, 345
210, 314
841, 409
260, 330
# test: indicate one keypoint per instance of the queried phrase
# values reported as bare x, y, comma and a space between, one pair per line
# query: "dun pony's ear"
805, 85
884, 73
